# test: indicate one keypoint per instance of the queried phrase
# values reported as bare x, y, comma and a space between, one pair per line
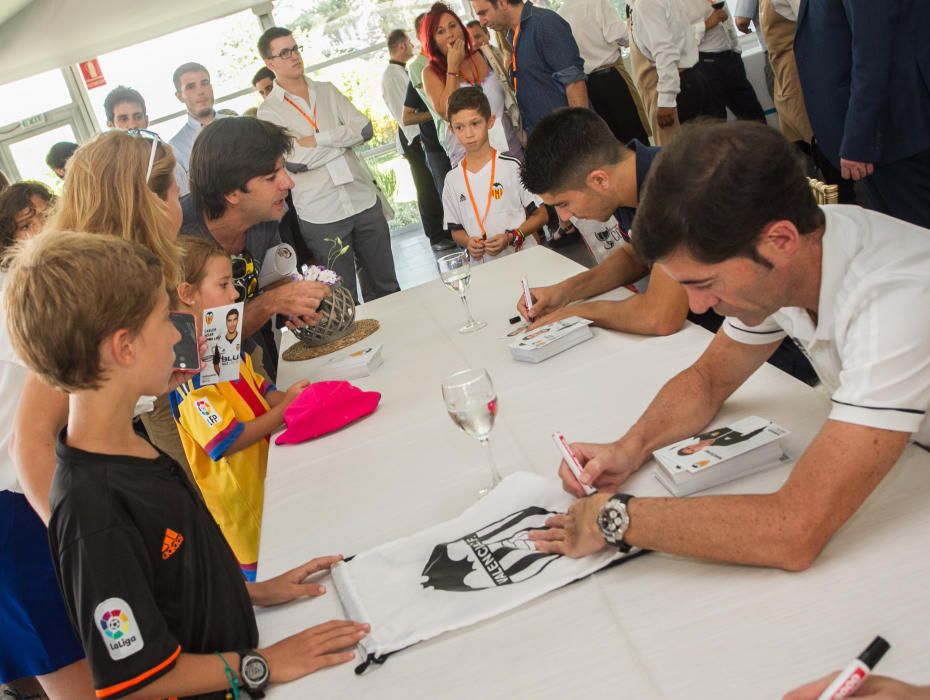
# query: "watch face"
255, 670
613, 522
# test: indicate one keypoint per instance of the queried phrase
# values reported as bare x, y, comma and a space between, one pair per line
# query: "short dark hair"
227, 154
59, 153
231, 313
190, 67
469, 98
263, 73
264, 41
418, 23
565, 146
476, 23
496, 3
121, 94
396, 38
13, 200
716, 187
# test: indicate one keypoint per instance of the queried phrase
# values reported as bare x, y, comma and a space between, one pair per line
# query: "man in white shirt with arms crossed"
851, 286
333, 193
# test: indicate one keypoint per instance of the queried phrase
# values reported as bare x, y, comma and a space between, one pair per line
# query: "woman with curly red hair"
454, 63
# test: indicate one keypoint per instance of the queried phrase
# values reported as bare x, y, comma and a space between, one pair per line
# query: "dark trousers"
428, 201
694, 96
439, 166
610, 97
902, 189
369, 241
726, 78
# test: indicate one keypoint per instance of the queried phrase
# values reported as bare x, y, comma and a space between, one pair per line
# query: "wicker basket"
338, 317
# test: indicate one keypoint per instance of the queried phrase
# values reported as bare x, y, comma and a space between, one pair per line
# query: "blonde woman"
121, 184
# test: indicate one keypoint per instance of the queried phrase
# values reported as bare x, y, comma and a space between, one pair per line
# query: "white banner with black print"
469, 569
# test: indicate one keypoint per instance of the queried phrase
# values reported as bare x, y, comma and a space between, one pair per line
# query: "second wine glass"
455, 272
472, 405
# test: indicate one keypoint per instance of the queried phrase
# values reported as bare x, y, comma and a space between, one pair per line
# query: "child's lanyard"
481, 219
306, 116
513, 57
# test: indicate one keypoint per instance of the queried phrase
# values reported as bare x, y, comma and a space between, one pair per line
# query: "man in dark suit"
865, 73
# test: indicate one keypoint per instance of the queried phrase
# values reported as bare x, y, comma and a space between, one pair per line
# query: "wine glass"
472, 405
455, 272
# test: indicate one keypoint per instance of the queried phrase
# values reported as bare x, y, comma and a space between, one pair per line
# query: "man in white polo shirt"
851, 286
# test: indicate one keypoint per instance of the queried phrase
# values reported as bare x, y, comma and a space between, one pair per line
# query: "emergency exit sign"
32, 121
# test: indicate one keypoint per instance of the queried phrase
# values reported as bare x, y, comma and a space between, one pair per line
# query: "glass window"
29, 155
392, 173
332, 28
30, 96
225, 46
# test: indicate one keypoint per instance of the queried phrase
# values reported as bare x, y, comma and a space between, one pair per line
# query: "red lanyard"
306, 116
513, 57
481, 219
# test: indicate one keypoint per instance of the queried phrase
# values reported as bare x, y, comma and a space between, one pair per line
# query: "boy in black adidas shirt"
153, 589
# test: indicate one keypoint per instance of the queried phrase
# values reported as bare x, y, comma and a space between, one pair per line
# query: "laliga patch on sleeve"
117, 626
207, 412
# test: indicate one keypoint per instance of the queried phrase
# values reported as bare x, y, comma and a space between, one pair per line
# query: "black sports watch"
254, 672
613, 520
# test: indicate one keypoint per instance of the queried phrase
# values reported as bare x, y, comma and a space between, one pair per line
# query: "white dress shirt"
182, 143
787, 8
598, 31
720, 37
667, 33
870, 345
750, 8
394, 84
336, 184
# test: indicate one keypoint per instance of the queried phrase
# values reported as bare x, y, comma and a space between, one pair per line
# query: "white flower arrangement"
318, 273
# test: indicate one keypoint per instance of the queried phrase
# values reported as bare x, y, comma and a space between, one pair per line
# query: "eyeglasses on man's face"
285, 54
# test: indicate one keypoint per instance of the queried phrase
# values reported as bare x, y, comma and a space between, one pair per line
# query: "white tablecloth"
657, 627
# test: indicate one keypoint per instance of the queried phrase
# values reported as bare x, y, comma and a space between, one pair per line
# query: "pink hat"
324, 407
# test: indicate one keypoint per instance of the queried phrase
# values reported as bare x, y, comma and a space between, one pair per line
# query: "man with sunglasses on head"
334, 193
238, 188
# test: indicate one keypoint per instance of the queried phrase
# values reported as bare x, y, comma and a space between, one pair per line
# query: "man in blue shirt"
576, 165
547, 71
193, 88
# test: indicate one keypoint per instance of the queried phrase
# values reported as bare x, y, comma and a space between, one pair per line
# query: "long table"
657, 627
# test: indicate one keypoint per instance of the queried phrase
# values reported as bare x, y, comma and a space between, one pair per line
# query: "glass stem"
495, 475
469, 321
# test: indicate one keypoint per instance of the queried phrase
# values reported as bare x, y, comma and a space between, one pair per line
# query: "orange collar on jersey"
474, 206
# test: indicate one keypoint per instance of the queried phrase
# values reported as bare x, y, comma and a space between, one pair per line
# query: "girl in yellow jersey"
225, 427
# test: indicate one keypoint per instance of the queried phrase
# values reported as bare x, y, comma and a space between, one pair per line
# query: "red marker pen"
571, 460
854, 675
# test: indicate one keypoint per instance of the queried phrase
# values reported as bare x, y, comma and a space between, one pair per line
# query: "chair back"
824, 193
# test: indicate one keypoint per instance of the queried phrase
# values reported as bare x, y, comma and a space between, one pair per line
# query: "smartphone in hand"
186, 355
719, 5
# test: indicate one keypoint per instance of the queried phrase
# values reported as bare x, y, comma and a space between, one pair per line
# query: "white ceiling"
39, 35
